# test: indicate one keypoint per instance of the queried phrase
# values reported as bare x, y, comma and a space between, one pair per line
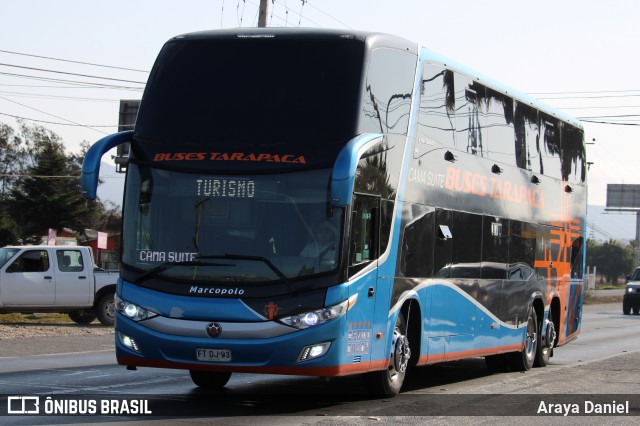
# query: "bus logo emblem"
214, 329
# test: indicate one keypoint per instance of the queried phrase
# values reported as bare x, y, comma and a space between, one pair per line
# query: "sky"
580, 56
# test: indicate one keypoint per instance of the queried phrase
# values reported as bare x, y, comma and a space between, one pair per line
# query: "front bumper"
258, 347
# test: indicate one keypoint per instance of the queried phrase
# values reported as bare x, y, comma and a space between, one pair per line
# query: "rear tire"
82, 317
388, 382
209, 379
105, 310
546, 342
523, 361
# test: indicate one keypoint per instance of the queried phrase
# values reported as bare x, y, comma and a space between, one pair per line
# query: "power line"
58, 123
58, 97
584, 92
610, 123
326, 14
76, 83
71, 73
71, 61
52, 115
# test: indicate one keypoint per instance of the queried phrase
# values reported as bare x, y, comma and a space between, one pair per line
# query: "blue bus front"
234, 272
244, 245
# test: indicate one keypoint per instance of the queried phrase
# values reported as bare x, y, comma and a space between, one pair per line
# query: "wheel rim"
531, 340
109, 309
400, 355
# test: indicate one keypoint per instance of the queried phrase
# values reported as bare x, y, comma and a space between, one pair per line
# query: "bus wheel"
523, 361
547, 338
389, 381
209, 379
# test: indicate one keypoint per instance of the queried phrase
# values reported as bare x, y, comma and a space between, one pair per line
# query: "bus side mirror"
91, 163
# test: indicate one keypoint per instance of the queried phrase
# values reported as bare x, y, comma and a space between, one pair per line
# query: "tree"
13, 158
50, 196
610, 258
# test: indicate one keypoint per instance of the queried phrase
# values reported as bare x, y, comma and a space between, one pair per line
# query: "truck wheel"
523, 361
82, 317
388, 382
106, 310
209, 379
626, 308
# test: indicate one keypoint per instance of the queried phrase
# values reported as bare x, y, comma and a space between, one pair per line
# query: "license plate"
213, 355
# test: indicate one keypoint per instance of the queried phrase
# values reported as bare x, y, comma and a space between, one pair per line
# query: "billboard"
623, 196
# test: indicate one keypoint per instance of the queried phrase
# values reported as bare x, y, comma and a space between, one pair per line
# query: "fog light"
313, 351
128, 342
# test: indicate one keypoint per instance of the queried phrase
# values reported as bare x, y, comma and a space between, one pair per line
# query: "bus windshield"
245, 228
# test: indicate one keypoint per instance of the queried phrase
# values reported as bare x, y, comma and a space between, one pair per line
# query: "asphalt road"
603, 363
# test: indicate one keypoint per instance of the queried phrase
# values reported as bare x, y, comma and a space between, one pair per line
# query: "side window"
527, 133
522, 246
500, 138
467, 245
573, 155
549, 149
363, 247
443, 242
417, 246
577, 246
436, 119
374, 176
386, 104
471, 119
31, 261
495, 247
69, 260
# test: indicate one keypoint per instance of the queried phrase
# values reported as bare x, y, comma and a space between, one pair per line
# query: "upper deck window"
252, 92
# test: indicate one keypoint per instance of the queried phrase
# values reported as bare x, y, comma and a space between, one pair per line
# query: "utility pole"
262, 17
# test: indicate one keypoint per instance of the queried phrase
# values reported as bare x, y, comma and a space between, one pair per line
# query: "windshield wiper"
231, 256
168, 265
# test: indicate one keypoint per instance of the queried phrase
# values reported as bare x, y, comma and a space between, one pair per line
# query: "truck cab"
55, 279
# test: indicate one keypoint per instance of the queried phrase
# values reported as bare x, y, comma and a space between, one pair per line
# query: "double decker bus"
328, 203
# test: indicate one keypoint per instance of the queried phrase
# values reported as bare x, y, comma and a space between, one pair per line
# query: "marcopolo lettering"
216, 291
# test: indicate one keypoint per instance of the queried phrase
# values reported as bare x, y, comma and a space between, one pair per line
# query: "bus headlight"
132, 311
319, 316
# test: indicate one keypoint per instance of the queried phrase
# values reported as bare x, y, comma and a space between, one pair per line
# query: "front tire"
388, 382
105, 310
523, 361
209, 379
626, 308
82, 317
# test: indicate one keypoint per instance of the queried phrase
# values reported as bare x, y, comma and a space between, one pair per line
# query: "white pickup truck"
56, 279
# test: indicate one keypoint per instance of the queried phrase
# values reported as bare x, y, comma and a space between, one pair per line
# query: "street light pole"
262, 17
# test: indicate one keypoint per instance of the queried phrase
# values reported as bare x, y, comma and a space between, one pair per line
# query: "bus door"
363, 262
